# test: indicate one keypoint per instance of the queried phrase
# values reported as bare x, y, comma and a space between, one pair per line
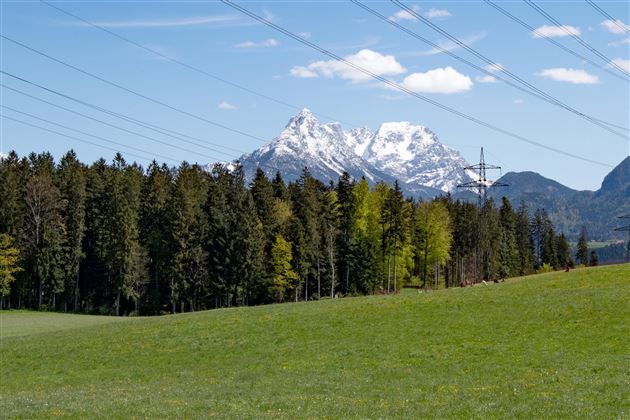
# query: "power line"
552, 101
612, 19
553, 41
576, 37
133, 92
164, 131
404, 89
80, 131
135, 133
186, 65
76, 138
502, 69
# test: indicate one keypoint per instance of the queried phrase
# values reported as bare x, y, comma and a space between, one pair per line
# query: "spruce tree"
347, 208
524, 242
73, 193
155, 227
582, 248
508, 252
188, 236
44, 231
594, 260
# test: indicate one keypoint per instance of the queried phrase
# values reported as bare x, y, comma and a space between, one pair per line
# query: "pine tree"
524, 242
155, 232
188, 235
594, 260
73, 194
508, 252
582, 248
43, 230
306, 202
13, 173
347, 208
489, 241
134, 257
393, 220
279, 187
263, 195
331, 214
564, 252
549, 253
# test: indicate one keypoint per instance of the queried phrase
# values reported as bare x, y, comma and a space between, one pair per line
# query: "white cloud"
303, 72
486, 79
450, 45
440, 80
382, 65
227, 105
305, 35
162, 23
437, 13
547, 31
404, 15
624, 64
574, 76
615, 26
260, 44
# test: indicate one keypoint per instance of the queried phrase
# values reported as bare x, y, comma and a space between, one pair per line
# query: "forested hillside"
116, 238
572, 210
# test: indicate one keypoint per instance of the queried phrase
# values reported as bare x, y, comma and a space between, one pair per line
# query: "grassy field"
552, 345
23, 323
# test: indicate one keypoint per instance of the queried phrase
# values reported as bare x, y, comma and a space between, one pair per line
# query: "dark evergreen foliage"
113, 238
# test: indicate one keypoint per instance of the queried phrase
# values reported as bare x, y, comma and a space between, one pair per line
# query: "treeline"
118, 239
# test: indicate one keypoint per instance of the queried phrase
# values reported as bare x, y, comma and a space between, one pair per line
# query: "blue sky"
213, 37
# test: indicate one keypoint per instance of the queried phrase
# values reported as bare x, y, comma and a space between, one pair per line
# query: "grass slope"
553, 345
23, 323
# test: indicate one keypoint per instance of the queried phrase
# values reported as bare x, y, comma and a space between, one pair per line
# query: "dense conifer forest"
115, 238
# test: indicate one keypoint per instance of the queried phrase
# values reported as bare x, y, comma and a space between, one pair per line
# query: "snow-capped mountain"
411, 154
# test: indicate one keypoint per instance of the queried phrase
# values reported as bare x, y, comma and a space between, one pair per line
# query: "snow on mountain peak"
397, 150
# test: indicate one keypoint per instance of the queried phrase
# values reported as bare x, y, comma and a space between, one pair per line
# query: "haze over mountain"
411, 154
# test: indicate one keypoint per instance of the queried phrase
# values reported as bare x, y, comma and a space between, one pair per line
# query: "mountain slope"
569, 209
414, 155
397, 151
325, 149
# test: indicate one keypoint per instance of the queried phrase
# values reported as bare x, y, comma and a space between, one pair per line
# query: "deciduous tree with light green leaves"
283, 277
9, 258
432, 236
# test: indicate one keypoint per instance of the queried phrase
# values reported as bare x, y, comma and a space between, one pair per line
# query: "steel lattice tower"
482, 183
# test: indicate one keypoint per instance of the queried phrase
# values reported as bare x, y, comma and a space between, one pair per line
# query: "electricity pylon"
482, 183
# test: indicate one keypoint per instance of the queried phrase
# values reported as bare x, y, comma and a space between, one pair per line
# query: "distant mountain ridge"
411, 154
570, 209
425, 168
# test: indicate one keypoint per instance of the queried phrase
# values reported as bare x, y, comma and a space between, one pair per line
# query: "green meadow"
545, 346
